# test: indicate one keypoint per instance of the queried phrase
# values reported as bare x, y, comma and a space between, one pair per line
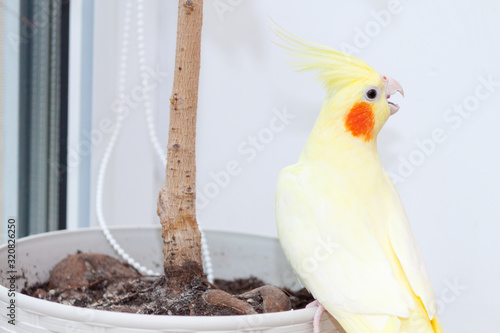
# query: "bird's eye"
371, 94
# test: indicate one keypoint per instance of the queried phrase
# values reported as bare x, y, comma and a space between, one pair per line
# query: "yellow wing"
339, 241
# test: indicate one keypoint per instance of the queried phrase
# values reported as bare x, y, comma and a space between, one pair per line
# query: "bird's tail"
377, 324
417, 322
436, 325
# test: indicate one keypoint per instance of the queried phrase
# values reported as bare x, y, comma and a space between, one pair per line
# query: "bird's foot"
313, 304
317, 316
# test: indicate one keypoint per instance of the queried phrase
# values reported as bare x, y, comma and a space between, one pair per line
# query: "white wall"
441, 52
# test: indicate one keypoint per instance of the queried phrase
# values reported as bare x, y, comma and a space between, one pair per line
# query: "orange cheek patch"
360, 121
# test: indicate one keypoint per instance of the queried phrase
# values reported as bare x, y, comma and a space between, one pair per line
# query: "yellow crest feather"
334, 68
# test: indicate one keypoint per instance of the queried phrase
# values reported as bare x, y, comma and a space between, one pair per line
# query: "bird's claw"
317, 315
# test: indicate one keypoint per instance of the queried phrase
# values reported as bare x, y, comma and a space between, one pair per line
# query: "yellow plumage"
340, 220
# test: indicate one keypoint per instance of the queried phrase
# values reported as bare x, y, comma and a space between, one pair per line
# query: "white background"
438, 50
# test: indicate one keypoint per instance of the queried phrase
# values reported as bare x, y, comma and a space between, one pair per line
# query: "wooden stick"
176, 201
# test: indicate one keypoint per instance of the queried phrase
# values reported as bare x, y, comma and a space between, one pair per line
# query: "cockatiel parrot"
340, 219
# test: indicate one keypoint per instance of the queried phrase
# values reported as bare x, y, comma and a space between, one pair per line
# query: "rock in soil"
101, 282
272, 298
222, 299
86, 269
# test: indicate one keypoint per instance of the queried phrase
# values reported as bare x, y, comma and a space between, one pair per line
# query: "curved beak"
391, 87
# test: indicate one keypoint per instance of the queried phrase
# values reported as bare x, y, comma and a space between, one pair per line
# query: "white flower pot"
233, 255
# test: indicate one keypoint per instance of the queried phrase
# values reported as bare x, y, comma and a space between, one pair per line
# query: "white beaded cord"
122, 75
207, 262
148, 108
